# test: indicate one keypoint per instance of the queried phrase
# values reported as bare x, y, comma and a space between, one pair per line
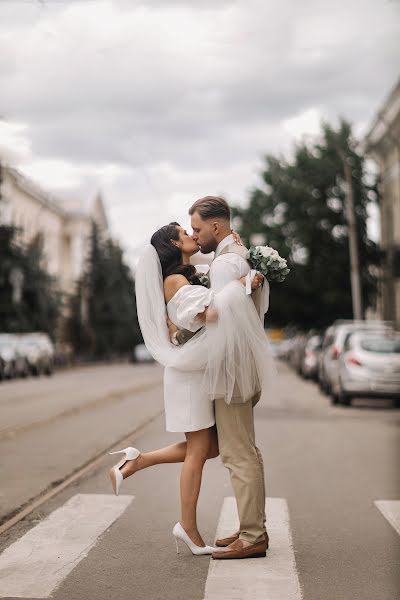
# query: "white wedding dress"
187, 407
227, 358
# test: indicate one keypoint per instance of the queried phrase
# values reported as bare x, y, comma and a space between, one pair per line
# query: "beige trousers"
242, 458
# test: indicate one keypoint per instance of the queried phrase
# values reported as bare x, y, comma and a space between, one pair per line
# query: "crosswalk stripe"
271, 578
391, 511
34, 565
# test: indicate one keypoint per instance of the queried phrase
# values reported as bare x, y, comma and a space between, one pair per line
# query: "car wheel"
322, 387
49, 369
25, 371
13, 372
344, 399
334, 399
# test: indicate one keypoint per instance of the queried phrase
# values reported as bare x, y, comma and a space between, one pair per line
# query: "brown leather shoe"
224, 542
237, 551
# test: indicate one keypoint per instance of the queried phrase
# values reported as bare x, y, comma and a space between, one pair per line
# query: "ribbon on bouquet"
264, 299
249, 278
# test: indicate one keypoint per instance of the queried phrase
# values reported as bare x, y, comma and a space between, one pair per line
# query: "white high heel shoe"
180, 534
115, 473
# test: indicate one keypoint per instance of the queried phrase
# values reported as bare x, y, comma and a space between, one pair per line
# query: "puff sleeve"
188, 302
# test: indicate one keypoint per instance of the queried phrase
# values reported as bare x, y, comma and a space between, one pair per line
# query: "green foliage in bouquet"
267, 261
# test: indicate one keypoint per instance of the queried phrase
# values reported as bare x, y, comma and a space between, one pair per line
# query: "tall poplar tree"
300, 209
103, 320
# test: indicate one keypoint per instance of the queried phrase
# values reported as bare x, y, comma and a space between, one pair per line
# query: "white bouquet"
267, 261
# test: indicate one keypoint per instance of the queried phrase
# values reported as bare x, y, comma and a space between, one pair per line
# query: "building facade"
383, 144
64, 223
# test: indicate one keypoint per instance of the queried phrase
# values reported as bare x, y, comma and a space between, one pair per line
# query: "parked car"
13, 363
7, 356
46, 349
309, 364
141, 354
341, 335
334, 344
369, 366
33, 355
327, 342
281, 350
297, 352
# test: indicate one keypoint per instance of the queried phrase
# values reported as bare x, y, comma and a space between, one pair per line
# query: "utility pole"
353, 240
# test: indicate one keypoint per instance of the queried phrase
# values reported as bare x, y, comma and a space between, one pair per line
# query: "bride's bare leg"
175, 453
170, 454
197, 452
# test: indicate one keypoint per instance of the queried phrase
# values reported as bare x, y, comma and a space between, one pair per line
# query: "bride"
169, 288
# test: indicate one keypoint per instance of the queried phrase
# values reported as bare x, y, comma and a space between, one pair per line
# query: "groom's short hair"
211, 207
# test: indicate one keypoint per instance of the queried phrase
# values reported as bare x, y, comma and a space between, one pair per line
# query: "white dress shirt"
226, 267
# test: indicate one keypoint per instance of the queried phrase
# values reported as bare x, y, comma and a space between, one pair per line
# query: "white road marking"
391, 511
271, 578
34, 565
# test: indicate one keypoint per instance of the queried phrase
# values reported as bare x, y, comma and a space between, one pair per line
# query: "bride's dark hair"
170, 256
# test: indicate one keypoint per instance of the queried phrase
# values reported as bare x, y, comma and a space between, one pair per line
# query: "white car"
43, 342
369, 366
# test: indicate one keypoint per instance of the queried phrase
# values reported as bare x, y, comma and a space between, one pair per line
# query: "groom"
210, 219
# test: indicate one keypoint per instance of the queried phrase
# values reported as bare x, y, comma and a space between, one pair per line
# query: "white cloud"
15, 145
306, 123
160, 102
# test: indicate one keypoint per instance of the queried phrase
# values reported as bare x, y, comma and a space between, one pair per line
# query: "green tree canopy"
300, 209
103, 318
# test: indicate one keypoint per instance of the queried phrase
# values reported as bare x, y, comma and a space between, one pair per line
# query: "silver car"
309, 364
369, 366
323, 358
339, 334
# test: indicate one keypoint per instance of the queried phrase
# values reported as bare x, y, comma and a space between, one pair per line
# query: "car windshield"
382, 345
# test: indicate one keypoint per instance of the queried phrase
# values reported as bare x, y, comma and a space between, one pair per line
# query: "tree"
300, 208
103, 319
39, 306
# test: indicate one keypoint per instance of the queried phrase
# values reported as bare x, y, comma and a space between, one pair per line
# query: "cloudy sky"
159, 102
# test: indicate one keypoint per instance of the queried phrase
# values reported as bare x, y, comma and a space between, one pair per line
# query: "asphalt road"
50, 427
330, 464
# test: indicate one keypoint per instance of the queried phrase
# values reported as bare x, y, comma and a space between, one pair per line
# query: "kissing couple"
205, 325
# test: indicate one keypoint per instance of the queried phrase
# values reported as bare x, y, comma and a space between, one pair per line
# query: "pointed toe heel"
180, 534
115, 473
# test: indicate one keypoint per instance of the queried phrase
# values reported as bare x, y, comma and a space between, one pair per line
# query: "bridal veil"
232, 350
